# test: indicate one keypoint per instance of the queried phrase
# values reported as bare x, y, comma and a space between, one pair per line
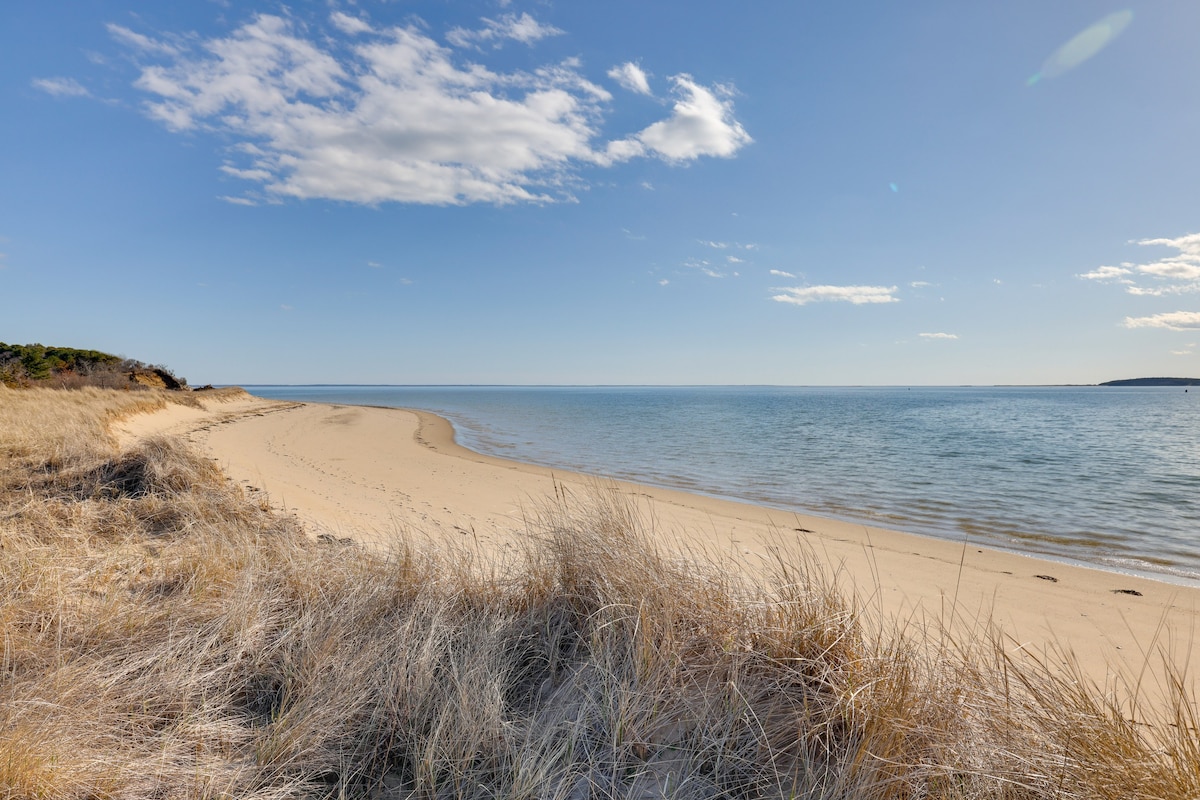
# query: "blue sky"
619, 192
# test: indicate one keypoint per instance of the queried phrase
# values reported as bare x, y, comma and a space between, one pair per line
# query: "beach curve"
375, 475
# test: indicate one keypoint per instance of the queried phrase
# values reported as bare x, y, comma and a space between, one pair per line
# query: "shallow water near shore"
1100, 475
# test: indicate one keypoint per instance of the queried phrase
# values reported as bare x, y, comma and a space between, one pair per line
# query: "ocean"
1098, 475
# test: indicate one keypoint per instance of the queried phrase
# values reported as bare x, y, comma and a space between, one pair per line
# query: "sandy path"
373, 474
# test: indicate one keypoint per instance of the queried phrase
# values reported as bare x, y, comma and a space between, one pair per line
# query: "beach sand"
374, 475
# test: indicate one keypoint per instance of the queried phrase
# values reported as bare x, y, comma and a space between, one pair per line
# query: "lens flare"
1083, 46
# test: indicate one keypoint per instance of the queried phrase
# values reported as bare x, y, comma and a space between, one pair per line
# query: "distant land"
1154, 382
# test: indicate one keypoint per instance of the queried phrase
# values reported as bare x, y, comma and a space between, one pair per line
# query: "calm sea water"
1107, 476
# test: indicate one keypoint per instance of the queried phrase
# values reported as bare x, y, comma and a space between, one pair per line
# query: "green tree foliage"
26, 364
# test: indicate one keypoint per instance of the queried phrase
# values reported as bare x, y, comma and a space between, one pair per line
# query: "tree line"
68, 367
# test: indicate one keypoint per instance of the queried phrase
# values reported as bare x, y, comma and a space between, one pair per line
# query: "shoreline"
1165, 575
447, 436
1096, 499
378, 474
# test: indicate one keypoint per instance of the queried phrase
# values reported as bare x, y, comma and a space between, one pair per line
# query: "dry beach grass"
167, 635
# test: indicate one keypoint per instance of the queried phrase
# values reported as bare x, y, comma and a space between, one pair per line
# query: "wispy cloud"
139, 41
524, 29
632, 77
704, 267
1171, 320
858, 295
1108, 274
393, 116
348, 24
1178, 273
781, 274
61, 87
938, 335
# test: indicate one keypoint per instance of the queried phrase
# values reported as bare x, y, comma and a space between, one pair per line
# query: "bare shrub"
166, 636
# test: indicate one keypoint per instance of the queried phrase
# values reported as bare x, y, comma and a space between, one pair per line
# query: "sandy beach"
375, 474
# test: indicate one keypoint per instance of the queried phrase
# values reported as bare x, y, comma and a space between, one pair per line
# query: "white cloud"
237, 201
734, 260
61, 87
781, 273
394, 117
1178, 273
715, 245
1107, 274
1171, 320
374, 265
663, 282
524, 29
938, 335
701, 124
348, 24
632, 77
139, 41
704, 267
858, 295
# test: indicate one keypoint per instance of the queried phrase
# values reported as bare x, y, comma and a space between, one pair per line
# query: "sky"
544, 192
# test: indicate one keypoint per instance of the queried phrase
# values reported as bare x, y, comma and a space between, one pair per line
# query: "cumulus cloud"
701, 124
1171, 320
780, 273
938, 335
524, 29
61, 87
858, 295
632, 77
391, 115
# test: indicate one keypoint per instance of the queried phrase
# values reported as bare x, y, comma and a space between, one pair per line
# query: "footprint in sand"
1133, 592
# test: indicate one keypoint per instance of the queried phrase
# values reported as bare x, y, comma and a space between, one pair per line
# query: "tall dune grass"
166, 636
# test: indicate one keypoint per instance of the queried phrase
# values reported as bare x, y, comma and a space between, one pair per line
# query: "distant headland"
1154, 382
